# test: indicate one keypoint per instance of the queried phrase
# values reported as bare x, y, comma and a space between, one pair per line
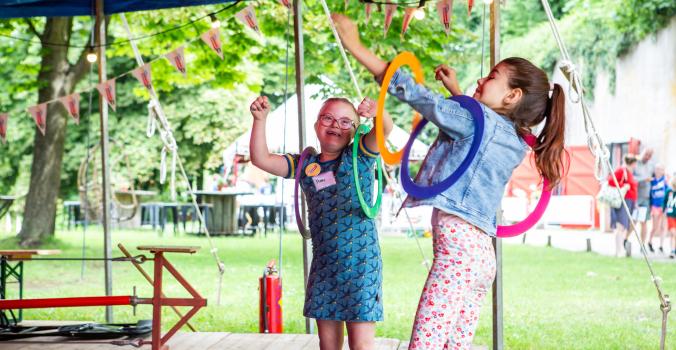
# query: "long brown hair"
534, 107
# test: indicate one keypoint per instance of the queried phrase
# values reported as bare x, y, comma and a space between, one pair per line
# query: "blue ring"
422, 192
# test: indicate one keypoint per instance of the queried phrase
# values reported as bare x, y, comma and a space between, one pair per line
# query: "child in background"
515, 96
658, 188
344, 286
669, 209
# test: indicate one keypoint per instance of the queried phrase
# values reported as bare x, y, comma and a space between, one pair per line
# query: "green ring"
371, 212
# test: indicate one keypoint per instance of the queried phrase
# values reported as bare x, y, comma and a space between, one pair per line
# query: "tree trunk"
56, 78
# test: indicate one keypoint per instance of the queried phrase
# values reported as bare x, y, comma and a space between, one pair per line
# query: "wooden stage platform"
202, 341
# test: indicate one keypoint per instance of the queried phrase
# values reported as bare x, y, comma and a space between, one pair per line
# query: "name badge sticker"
324, 180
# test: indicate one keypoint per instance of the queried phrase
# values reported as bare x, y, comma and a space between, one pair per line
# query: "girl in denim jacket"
514, 97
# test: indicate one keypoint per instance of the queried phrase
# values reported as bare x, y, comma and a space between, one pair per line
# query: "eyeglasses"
343, 123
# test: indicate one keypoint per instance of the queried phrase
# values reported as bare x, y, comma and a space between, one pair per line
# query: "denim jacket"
475, 197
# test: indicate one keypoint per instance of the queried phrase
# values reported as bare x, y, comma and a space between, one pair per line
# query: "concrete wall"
643, 104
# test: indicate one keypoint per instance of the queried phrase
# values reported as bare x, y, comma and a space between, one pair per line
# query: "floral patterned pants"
462, 272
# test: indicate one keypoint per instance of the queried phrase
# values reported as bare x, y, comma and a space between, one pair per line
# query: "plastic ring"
299, 219
404, 58
369, 211
422, 192
505, 231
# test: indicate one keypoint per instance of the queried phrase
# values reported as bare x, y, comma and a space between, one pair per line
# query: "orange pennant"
4, 117
177, 59
72, 105
143, 75
107, 90
408, 15
248, 17
39, 113
445, 10
390, 9
213, 39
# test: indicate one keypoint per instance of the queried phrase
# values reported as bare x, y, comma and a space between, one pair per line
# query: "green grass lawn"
553, 299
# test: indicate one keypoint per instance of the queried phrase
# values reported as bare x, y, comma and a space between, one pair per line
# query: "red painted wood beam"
64, 302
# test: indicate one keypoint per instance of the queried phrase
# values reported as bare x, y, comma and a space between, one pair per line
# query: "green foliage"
596, 32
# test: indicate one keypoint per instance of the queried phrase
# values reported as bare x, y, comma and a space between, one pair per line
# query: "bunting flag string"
107, 90
72, 105
4, 117
248, 17
177, 59
212, 38
470, 4
39, 113
390, 9
444, 9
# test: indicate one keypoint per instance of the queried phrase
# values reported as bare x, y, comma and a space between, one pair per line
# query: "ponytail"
535, 106
549, 149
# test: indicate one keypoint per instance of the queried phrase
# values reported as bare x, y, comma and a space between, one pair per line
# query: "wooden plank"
27, 253
196, 341
169, 249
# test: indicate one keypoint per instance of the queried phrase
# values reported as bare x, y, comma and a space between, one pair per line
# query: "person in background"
643, 173
619, 218
658, 188
669, 209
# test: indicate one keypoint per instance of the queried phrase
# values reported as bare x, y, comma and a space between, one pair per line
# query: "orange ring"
404, 58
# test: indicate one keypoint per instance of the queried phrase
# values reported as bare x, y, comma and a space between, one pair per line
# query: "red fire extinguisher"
270, 300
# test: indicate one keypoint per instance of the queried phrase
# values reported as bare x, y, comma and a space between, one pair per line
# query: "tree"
59, 77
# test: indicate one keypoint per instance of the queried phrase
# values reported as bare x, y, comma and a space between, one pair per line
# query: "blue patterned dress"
345, 280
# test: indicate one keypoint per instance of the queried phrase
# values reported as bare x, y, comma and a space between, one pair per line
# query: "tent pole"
300, 95
105, 173
498, 339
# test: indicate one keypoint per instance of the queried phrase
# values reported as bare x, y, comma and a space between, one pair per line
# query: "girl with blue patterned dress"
514, 97
344, 287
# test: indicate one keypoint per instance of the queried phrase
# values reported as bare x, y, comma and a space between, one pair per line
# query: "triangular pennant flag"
346, 1
445, 9
470, 4
3, 127
177, 59
408, 15
143, 75
107, 90
39, 113
72, 105
369, 8
389, 13
213, 39
285, 3
248, 17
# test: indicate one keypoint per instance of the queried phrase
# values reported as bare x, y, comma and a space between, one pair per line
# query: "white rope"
169, 142
342, 49
601, 153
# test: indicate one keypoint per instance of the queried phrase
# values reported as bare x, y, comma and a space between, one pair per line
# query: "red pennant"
248, 17
285, 3
177, 59
470, 4
213, 39
408, 15
143, 75
368, 9
39, 113
72, 105
4, 117
390, 9
107, 90
445, 10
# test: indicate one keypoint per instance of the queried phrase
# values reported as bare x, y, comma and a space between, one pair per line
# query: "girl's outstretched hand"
347, 30
260, 108
367, 108
447, 76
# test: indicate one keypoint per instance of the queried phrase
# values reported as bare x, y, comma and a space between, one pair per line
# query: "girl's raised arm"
261, 157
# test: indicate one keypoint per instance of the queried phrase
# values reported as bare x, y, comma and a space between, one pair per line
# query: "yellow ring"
404, 58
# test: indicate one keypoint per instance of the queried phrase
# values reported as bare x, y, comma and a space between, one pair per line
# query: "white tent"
279, 135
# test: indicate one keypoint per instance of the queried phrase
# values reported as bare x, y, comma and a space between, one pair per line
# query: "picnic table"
9, 271
222, 220
5, 204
